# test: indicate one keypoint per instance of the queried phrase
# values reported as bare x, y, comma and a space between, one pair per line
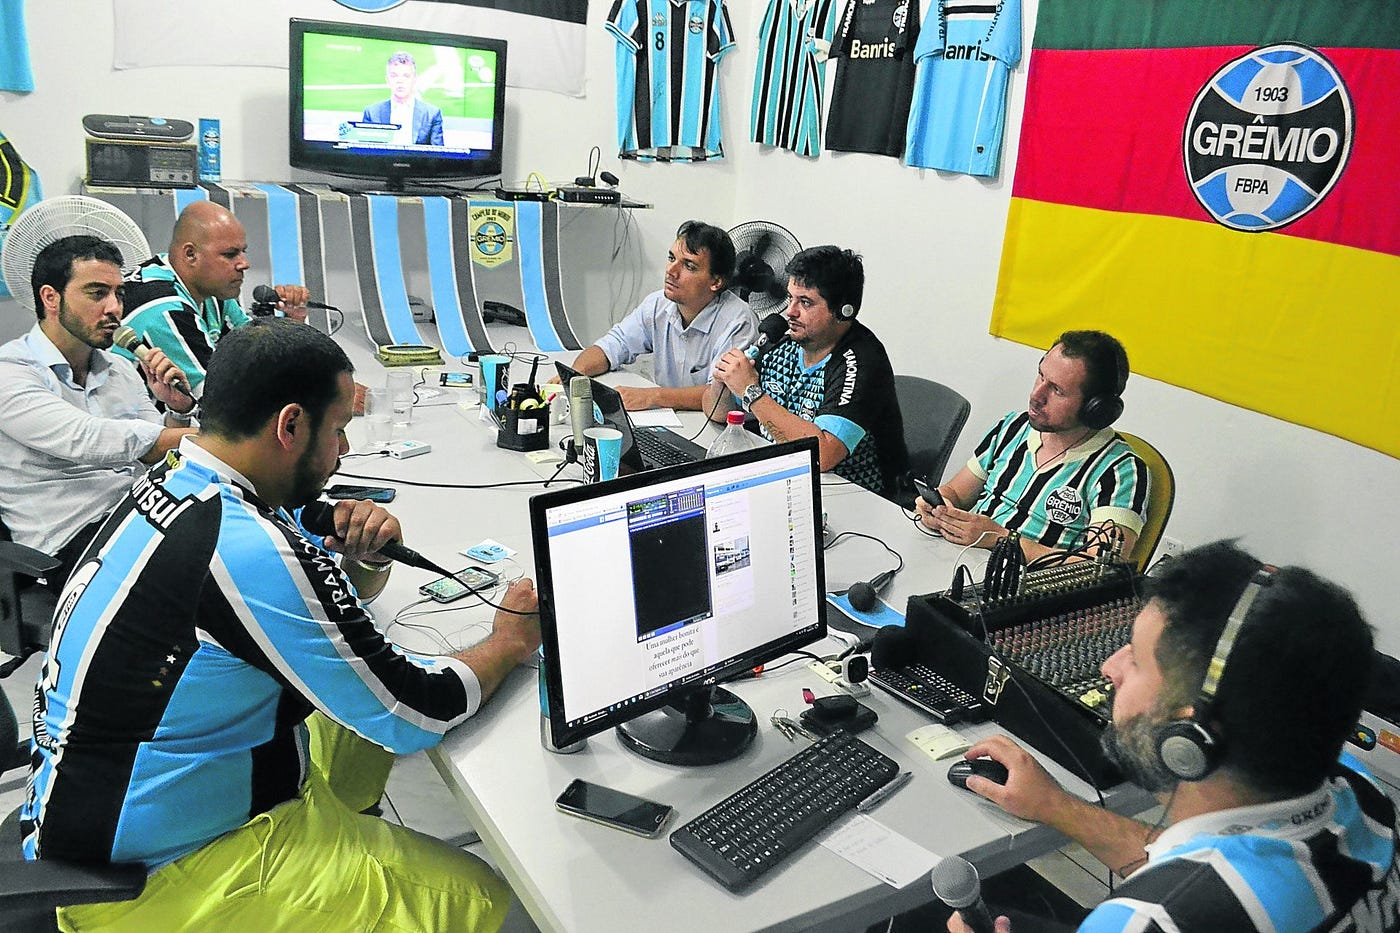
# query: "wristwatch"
752, 394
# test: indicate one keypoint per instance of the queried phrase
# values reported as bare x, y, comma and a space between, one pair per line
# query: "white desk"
579, 877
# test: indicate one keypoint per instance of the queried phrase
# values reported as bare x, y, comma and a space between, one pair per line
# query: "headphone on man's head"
847, 312
1189, 748
1101, 409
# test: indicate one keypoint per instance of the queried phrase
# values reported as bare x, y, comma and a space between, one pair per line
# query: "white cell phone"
613, 808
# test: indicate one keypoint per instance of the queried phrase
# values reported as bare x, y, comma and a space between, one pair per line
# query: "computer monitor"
655, 588
395, 105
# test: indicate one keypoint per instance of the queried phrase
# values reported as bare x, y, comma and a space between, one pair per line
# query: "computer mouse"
981, 767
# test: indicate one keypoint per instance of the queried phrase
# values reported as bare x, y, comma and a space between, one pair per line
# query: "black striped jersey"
668, 100
874, 46
198, 631
1098, 480
789, 78
1325, 862
850, 395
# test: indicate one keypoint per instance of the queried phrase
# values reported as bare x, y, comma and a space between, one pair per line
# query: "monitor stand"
703, 727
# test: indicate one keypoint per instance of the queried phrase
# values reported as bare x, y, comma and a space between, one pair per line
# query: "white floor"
416, 797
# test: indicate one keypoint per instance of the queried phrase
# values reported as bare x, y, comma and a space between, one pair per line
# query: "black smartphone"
614, 808
460, 380
929, 494
447, 589
372, 493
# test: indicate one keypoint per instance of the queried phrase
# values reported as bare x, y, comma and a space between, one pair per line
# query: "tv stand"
704, 727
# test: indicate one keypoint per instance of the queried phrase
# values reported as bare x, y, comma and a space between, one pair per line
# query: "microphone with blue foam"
771, 331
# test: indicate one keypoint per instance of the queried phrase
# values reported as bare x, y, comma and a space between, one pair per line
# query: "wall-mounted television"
395, 105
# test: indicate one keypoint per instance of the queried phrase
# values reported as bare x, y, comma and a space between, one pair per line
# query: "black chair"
934, 416
26, 606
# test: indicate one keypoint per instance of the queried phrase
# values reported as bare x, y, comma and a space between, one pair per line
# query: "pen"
877, 798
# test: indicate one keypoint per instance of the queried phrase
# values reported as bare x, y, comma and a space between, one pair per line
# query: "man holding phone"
1057, 472
200, 644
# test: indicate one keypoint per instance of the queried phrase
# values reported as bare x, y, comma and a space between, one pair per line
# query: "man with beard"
1056, 473
831, 379
205, 626
185, 300
1231, 704
78, 423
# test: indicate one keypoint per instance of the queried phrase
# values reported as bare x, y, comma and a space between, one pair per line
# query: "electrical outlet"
1169, 547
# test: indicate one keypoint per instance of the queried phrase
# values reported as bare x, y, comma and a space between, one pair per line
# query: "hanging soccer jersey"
667, 78
790, 77
874, 78
15, 73
959, 108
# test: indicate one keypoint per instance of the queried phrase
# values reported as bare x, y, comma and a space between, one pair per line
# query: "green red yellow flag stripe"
1113, 225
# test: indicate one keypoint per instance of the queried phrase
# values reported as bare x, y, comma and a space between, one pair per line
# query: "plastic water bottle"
733, 438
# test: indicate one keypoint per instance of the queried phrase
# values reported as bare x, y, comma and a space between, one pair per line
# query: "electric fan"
56, 218
762, 251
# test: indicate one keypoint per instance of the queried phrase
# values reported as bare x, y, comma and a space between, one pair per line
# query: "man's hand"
361, 529
160, 371
1029, 792
292, 300
736, 371
962, 527
637, 398
956, 925
521, 633
357, 407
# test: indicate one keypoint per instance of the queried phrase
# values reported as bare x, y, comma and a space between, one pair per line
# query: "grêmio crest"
1267, 137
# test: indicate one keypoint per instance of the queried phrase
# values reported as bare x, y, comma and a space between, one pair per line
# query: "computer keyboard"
661, 447
922, 686
749, 832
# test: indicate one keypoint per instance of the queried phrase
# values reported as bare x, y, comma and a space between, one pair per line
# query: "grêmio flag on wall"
546, 36
1214, 182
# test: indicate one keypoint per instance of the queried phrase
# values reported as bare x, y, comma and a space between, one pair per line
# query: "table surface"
577, 876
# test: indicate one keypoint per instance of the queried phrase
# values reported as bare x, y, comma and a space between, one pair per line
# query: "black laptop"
643, 448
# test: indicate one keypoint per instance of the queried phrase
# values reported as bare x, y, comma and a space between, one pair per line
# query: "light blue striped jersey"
1326, 862
668, 100
15, 73
198, 631
790, 75
958, 115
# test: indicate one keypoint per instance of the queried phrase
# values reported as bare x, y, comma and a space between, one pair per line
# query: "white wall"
932, 244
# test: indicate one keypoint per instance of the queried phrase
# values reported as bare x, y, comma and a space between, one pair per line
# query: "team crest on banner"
1268, 137
492, 235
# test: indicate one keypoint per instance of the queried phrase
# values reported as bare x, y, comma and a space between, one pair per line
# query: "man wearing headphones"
830, 378
1056, 473
1231, 703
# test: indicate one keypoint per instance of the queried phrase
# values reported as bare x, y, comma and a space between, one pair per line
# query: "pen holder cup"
524, 428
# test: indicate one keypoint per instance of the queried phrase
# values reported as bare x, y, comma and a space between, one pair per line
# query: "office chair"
29, 891
934, 416
1159, 499
26, 608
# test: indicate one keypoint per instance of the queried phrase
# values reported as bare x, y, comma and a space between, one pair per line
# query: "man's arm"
735, 372
435, 127
717, 401
592, 361
43, 421
514, 638
683, 398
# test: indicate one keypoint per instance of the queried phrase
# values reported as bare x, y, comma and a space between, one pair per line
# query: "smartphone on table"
448, 589
613, 808
372, 493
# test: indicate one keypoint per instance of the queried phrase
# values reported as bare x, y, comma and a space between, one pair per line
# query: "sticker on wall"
492, 235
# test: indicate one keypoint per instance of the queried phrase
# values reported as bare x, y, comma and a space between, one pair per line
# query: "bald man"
183, 301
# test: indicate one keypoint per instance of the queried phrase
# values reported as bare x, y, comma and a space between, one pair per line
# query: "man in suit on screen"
418, 122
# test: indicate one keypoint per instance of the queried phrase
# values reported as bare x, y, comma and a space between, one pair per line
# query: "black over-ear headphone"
1101, 409
1189, 748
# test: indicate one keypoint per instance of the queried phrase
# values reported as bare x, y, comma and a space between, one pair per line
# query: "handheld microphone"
580, 408
956, 884
126, 338
318, 517
771, 331
864, 595
265, 301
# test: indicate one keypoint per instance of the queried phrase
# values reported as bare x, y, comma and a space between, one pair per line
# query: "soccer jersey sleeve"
1120, 492
626, 24
850, 403
986, 452
1004, 41
721, 35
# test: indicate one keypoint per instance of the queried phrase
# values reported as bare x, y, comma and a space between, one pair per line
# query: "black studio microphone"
956, 884
864, 595
771, 331
318, 517
265, 301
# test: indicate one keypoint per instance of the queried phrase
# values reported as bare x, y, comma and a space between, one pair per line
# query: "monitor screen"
395, 104
656, 586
